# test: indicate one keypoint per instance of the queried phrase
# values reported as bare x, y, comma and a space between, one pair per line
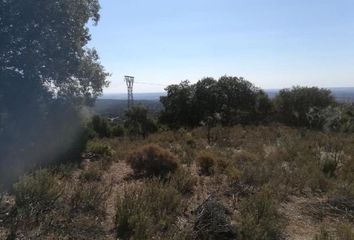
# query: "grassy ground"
248, 183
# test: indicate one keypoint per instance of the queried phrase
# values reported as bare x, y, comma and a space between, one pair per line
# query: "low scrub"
183, 180
152, 161
212, 222
99, 148
90, 197
206, 164
93, 173
342, 232
143, 210
259, 218
37, 193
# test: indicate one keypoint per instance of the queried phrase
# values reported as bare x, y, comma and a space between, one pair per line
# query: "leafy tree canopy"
46, 72
235, 99
293, 105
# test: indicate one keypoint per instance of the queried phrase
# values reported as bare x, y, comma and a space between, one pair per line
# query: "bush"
206, 164
293, 105
212, 222
37, 193
99, 148
342, 232
152, 161
324, 235
90, 197
100, 126
117, 131
138, 123
183, 181
91, 174
259, 218
143, 210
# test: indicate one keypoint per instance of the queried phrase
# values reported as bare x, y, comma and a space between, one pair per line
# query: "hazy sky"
272, 43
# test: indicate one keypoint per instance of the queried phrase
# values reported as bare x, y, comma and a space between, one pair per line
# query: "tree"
101, 126
178, 105
293, 105
205, 99
45, 68
236, 100
138, 123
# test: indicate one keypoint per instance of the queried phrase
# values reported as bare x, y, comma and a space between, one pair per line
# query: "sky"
272, 43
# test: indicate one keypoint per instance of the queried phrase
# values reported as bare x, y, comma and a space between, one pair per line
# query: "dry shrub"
259, 218
152, 161
37, 193
143, 211
183, 180
345, 232
90, 197
93, 173
324, 235
206, 164
212, 222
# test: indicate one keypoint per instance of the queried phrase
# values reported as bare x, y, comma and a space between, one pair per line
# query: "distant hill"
113, 105
137, 96
341, 94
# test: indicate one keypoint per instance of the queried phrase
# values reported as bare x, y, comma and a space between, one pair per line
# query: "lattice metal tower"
130, 82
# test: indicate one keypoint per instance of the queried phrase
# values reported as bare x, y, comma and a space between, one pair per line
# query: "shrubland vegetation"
222, 160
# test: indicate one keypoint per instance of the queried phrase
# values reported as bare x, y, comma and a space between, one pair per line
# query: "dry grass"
273, 182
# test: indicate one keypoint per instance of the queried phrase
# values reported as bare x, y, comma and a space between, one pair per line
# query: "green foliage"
339, 118
152, 161
117, 131
101, 126
259, 218
99, 148
138, 123
37, 193
144, 210
235, 99
206, 164
293, 105
47, 73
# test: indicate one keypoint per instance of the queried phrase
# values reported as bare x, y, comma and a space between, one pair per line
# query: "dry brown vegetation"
252, 183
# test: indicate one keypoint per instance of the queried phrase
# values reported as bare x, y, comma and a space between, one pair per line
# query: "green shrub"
37, 193
100, 126
293, 105
99, 148
117, 131
206, 164
183, 181
329, 167
143, 210
152, 161
90, 197
259, 218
